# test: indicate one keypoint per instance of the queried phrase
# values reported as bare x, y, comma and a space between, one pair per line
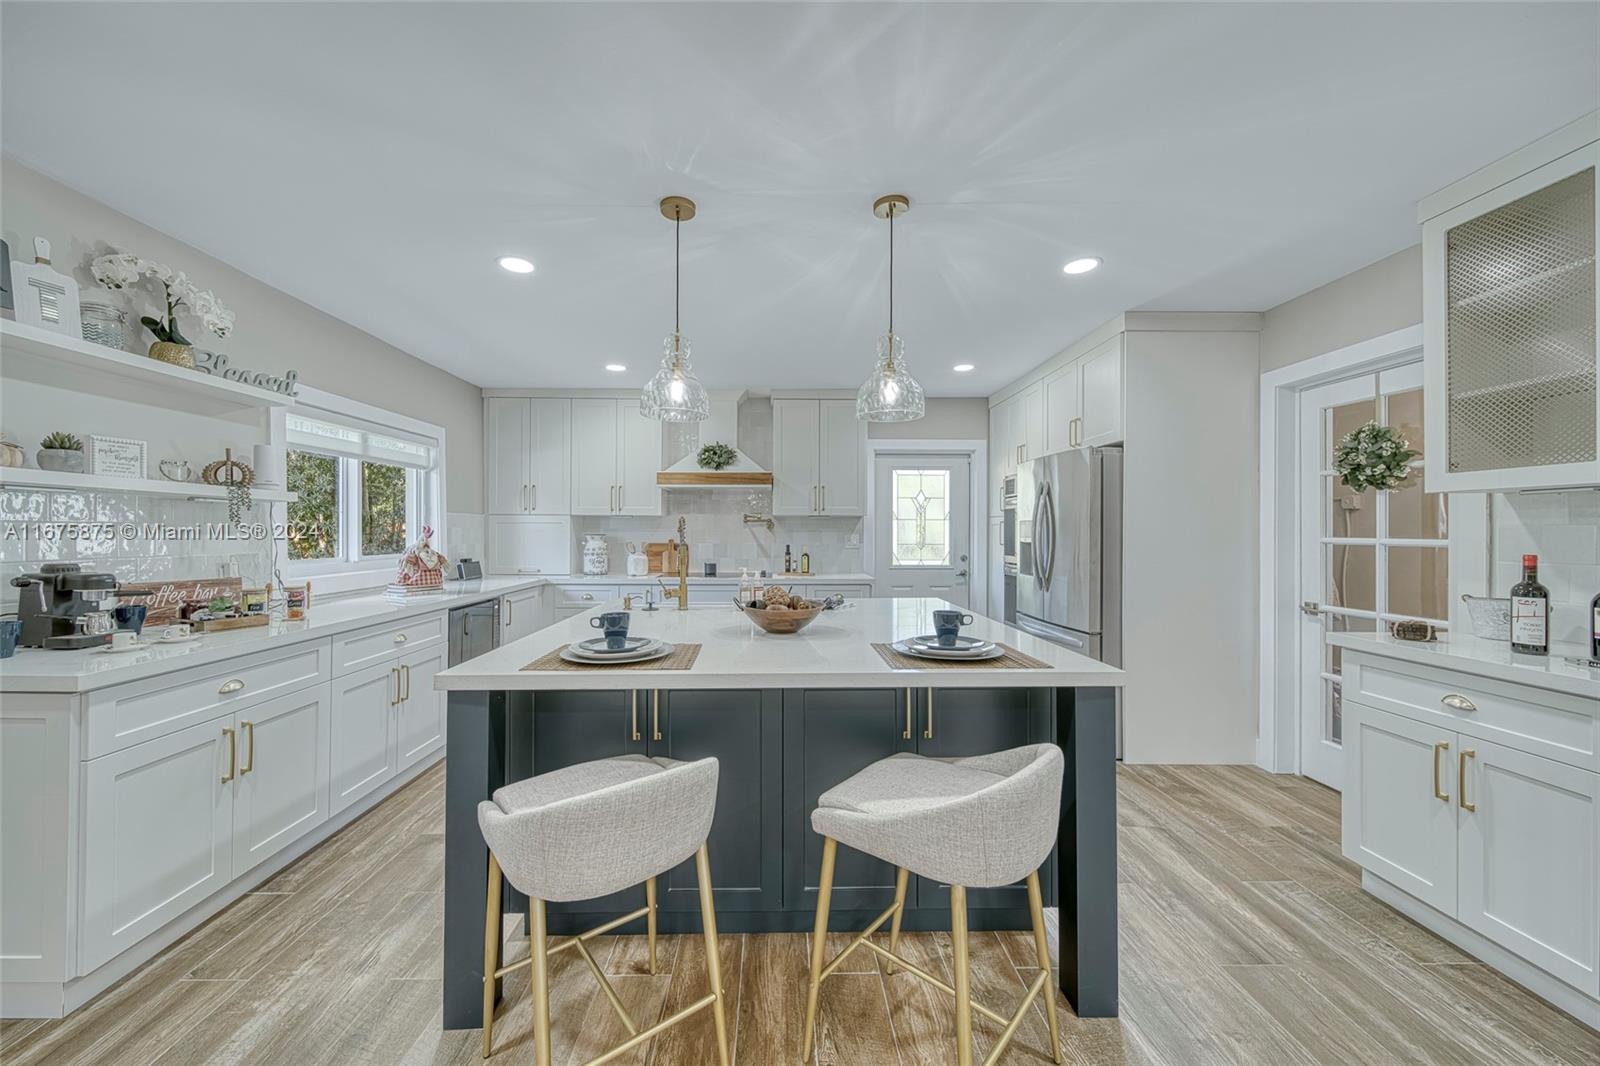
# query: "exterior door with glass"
923, 514
1368, 558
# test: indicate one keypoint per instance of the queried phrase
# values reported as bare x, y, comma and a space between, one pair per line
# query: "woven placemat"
1011, 660
682, 658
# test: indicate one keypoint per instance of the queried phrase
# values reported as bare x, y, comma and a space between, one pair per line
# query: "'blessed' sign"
217, 363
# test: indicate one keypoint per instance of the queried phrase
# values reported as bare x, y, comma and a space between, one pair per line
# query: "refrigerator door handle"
1038, 537
1045, 533
1054, 635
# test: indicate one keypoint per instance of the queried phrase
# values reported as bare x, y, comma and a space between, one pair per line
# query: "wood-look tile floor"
1245, 939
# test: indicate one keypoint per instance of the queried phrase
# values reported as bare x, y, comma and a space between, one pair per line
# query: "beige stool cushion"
598, 827
979, 822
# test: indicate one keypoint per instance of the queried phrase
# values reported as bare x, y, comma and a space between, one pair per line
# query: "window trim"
425, 493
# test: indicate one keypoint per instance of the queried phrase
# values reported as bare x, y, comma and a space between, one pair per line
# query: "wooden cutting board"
662, 556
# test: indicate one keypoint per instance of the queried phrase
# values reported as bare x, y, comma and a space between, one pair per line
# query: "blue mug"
10, 630
615, 626
131, 616
947, 626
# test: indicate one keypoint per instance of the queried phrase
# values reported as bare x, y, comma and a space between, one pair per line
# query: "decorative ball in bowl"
775, 611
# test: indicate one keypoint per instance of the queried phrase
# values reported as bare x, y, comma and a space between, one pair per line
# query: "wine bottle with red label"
1530, 611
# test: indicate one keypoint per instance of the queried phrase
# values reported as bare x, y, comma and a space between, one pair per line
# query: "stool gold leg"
538, 947
491, 951
708, 920
958, 944
1042, 948
900, 879
650, 920
819, 943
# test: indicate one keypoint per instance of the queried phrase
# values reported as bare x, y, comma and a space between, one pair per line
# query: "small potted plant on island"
120, 270
61, 451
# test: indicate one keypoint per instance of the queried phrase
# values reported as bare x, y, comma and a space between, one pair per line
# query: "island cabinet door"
830, 734
954, 723
574, 727
743, 730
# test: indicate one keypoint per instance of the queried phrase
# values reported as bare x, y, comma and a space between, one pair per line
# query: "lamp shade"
674, 394
890, 393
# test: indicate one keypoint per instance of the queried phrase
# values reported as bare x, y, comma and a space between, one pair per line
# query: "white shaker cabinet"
819, 457
616, 453
522, 613
1100, 389
527, 544
527, 455
362, 748
420, 711
1063, 404
281, 788
1509, 278
158, 834
1529, 871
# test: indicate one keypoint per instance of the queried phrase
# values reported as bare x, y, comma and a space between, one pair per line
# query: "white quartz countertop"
835, 651
38, 670
722, 578
1485, 658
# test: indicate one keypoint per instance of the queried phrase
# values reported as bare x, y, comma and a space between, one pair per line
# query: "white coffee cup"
123, 639
177, 632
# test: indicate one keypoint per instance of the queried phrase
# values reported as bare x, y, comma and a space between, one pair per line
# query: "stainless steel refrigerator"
1069, 553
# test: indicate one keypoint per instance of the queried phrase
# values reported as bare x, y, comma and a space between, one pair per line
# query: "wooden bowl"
781, 622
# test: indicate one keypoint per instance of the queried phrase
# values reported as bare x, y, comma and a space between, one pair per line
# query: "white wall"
1377, 299
948, 418
275, 331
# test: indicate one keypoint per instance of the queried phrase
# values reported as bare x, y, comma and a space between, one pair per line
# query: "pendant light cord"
677, 274
891, 278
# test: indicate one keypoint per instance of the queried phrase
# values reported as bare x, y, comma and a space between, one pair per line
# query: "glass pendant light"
675, 394
891, 394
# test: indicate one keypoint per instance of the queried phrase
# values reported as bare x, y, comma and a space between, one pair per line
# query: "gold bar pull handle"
233, 756
634, 714
1461, 782
906, 735
655, 716
249, 747
927, 734
1438, 793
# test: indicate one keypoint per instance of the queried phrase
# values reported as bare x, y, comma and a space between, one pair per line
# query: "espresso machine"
62, 607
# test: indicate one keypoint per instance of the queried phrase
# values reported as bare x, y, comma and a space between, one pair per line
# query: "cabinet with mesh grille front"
1509, 317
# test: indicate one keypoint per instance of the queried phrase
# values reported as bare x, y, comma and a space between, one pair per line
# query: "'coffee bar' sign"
217, 363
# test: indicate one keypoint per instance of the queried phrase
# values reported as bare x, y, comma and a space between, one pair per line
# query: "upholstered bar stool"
586, 831
979, 822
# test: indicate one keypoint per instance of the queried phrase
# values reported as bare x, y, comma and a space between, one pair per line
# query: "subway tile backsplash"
1563, 530
135, 537
718, 533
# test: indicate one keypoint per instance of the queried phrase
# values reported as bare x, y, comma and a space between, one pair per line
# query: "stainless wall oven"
1008, 523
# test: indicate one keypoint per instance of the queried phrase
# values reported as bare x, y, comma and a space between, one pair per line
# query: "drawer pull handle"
588, 595
230, 686
1439, 794
399, 638
233, 756
1459, 703
1461, 779
249, 747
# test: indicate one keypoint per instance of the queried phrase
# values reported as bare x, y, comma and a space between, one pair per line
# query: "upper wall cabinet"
616, 452
527, 455
819, 457
1509, 282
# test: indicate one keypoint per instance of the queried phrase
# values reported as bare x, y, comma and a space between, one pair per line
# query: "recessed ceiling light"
1081, 266
516, 264
963, 368
615, 368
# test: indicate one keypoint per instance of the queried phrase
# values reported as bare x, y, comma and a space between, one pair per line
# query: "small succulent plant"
59, 441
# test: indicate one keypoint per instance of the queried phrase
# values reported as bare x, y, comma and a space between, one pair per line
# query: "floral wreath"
1373, 457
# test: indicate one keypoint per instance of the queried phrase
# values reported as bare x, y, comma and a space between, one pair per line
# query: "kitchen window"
368, 481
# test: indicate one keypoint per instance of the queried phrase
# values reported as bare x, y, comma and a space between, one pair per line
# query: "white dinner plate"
597, 646
993, 651
931, 640
655, 651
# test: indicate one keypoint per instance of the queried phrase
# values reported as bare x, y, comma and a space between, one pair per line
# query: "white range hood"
723, 426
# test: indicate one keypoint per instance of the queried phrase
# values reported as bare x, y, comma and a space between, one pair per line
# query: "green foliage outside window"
383, 509
314, 518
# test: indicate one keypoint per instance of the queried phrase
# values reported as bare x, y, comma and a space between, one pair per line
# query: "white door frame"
1278, 721
978, 510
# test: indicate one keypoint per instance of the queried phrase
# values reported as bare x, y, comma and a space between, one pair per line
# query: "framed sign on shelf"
116, 457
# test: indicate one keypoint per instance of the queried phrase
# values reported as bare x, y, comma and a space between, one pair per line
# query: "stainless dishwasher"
474, 630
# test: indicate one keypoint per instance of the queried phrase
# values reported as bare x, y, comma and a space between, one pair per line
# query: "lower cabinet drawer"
1550, 724
130, 714
582, 597
379, 644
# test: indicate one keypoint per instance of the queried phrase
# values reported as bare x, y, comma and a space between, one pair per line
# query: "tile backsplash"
1563, 530
718, 534
134, 536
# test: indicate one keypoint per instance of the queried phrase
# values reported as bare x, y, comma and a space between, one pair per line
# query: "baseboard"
1552, 990
53, 1000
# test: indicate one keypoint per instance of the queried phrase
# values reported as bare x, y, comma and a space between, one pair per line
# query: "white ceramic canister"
638, 562
596, 555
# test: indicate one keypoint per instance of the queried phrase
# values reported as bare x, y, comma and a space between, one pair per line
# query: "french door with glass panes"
1367, 559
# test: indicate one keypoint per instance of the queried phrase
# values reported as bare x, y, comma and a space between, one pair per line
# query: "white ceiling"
375, 159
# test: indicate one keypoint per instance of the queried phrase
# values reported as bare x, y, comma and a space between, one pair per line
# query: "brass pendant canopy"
677, 208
